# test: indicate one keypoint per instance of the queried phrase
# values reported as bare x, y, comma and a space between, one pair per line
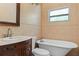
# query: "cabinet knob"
28, 49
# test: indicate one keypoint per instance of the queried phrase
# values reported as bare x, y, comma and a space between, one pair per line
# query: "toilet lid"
40, 51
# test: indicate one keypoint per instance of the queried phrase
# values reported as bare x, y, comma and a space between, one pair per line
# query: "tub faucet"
41, 40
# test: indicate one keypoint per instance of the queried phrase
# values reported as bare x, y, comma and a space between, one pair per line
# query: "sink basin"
19, 38
15, 39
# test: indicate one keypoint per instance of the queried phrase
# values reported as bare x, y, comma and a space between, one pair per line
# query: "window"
59, 15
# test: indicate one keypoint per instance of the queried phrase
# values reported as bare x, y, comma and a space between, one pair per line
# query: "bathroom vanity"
16, 47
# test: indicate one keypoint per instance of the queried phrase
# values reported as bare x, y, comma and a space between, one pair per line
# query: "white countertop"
15, 39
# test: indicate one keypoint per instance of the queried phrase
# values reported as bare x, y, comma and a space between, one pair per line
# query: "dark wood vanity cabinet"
23, 48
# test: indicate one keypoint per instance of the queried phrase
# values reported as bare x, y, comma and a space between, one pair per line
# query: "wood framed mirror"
10, 14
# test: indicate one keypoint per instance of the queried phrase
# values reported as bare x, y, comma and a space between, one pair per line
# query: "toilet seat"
40, 52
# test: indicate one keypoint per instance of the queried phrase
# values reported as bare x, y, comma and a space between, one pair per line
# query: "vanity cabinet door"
29, 48
24, 48
21, 49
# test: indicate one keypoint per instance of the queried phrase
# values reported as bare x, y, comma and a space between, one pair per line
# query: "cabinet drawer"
9, 50
10, 47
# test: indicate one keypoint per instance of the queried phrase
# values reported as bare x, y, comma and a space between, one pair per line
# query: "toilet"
38, 51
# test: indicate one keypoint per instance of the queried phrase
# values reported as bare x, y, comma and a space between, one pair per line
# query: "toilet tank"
33, 42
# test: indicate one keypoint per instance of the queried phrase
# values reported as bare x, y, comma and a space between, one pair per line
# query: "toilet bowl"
38, 51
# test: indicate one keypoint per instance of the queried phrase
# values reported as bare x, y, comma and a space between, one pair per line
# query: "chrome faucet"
9, 33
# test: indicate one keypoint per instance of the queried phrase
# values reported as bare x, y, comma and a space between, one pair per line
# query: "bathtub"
56, 47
